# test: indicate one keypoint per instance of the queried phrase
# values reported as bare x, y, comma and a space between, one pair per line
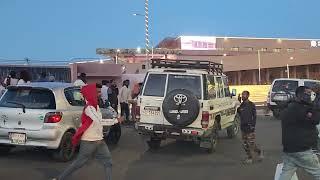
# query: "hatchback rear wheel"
66, 151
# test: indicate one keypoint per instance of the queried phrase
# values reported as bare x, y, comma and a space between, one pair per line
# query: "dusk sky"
64, 29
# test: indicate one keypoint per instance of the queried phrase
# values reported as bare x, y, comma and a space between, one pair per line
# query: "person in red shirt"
90, 135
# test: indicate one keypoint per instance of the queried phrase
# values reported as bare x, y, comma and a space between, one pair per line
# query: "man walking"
124, 97
299, 135
248, 115
81, 81
105, 92
113, 95
90, 135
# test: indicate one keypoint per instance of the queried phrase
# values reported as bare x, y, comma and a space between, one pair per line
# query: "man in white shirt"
2, 88
11, 80
124, 98
105, 92
81, 81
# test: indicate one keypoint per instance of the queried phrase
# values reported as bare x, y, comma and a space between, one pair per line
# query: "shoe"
247, 161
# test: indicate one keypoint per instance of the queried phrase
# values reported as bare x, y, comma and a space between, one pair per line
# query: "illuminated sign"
315, 43
198, 42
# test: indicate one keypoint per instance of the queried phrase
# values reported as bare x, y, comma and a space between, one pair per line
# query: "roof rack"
210, 66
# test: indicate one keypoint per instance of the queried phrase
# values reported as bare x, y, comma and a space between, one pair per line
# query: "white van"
286, 85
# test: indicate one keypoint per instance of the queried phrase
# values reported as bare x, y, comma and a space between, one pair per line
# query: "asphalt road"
174, 160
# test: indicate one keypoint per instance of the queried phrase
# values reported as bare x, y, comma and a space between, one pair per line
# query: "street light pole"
288, 73
146, 19
259, 69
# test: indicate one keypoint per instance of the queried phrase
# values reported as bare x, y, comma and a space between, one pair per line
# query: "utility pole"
146, 19
259, 69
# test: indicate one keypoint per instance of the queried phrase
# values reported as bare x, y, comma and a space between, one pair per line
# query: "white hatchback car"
43, 115
188, 100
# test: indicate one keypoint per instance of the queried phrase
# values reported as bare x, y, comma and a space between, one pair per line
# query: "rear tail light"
137, 113
205, 119
53, 117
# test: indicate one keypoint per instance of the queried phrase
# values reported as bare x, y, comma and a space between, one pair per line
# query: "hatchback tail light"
137, 113
53, 117
205, 119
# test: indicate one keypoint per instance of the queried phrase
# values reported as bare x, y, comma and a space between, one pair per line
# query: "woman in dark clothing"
113, 96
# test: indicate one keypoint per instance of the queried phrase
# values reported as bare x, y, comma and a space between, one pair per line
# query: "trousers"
88, 149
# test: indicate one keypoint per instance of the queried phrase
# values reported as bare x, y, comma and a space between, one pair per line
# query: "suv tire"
114, 134
276, 113
213, 144
5, 149
154, 143
65, 152
233, 130
177, 101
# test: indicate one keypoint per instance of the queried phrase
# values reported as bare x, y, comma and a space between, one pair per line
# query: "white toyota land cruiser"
186, 100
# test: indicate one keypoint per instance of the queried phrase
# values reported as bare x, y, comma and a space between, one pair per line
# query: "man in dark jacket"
299, 134
113, 95
248, 115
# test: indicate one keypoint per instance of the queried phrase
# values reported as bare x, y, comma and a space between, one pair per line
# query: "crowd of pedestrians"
112, 96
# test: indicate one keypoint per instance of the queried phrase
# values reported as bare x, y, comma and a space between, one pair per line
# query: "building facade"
252, 60
61, 73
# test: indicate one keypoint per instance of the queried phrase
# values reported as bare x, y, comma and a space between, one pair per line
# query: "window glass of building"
290, 50
277, 50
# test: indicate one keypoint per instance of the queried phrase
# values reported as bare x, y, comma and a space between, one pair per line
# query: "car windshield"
191, 83
30, 98
285, 85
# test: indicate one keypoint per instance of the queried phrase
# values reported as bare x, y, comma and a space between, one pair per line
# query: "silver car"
41, 115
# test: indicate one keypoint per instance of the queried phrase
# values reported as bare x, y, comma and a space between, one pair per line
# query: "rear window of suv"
31, 98
155, 85
285, 85
191, 83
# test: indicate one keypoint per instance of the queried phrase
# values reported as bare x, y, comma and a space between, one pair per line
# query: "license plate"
151, 113
17, 138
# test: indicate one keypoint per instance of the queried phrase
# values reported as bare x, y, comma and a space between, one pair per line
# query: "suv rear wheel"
66, 151
276, 113
5, 149
114, 134
233, 130
154, 143
213, 144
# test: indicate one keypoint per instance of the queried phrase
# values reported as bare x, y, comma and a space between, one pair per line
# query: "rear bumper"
272, 106
48, 138
164, 131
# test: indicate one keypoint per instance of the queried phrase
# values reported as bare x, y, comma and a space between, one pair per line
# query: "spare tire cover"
180, 107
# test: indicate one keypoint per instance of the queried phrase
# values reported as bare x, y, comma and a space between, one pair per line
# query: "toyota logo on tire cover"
180, 99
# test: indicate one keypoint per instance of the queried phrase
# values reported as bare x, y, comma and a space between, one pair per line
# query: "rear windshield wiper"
20, 104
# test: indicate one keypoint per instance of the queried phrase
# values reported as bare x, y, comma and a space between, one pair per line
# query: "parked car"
41, 115
282, 88
186, 100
